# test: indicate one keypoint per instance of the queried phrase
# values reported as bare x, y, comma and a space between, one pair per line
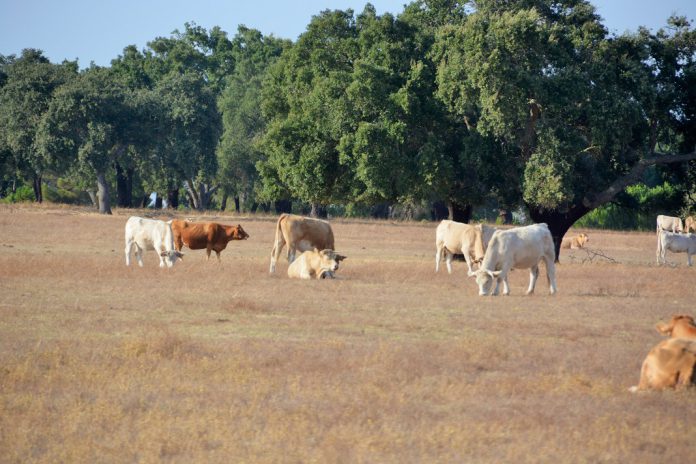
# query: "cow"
670, 223
676, 243
315, 264
680, 326
577, 241
300, 233
151, 234
455, 237
209, 235
690, 224
669, 364
519, 248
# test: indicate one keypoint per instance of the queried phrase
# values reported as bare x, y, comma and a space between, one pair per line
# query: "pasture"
209, 362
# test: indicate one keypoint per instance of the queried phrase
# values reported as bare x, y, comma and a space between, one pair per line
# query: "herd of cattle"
496, 252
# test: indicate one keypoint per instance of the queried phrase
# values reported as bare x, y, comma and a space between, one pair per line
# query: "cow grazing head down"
171, 257
485, 280
237, 233
680, 326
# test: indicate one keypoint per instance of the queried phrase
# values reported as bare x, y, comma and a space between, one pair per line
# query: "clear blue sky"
99, 30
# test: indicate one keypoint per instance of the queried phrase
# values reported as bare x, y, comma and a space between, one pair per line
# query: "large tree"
581, 113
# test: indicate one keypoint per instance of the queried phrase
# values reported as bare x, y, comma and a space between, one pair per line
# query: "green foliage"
21, 194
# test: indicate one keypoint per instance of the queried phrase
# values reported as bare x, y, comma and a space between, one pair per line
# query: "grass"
211, 362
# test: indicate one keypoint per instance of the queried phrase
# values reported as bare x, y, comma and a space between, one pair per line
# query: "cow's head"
171, 257
237, 233
329, 262
484, 279
582, 239
677, 319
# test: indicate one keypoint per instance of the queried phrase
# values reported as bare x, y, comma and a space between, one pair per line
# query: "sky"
98, 30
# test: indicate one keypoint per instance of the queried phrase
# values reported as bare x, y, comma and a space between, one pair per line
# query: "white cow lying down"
676, 243
315, 264
518, 248
151, 234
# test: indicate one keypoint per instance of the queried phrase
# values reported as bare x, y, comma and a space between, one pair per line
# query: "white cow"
676, 243
670, 223
151, 234
315, 264
519, 248
455, 237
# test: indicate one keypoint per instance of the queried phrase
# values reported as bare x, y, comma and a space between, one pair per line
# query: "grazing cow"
577, 241
670, 223
151, 234
315, 264
519, 248
676, 243
300, 233
680, 326
690, 224
208, 235
669, 364
455, 237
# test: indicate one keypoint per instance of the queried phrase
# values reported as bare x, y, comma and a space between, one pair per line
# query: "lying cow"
690, 224
209, 235
670, 223
669, 364
315, 264
300, 233
575, 242
519, 248
680, 326
455, 237
676, 243
151, 234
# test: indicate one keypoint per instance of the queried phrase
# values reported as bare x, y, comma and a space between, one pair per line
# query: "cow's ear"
663, 328
340, 257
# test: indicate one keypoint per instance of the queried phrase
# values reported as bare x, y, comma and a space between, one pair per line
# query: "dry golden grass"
211, 362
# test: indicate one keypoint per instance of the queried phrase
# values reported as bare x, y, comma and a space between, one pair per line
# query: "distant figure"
575, 242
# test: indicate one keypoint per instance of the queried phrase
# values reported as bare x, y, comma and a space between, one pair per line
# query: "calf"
315, 264
455, 237
151, 234
676, 243
209, 235
577, 241
519, 248
669, 364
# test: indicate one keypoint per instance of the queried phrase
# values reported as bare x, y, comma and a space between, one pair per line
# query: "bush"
23, 193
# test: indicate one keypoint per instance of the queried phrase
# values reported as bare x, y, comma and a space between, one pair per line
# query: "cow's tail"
277, 244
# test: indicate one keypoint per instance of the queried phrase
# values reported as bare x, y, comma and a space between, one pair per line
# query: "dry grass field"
209, 362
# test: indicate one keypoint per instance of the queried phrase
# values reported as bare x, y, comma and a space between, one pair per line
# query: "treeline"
523, 103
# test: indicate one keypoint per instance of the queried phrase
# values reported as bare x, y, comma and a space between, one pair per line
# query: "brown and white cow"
301, 234
455, 237
315, 264
577, 241
680, 326
209, 235
690, 224
150, 234
670, 223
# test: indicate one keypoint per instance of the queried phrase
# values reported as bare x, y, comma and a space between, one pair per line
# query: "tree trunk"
124, 186
558, 223
380, 211
158, 201
318, 211
103, 194
38, 194
173, 197
439, 211
459, 213
237, 205
93, 197
145, 201
283, 206
223, 203
505, 215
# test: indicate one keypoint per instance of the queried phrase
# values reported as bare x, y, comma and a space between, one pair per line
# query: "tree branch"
633, 176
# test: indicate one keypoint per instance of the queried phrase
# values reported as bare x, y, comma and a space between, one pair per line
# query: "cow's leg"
551, 275
139, 255
468, 260
161, 258
207, 252
275, 253
291, 253
129, 247
217, 253
685, 377
533, 276
438, 257
688, 259
506, 285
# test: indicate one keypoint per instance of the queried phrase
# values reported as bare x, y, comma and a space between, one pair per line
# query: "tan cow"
669, 223
301, 234
455, 237
680, 326
690, 224
208, 235
577, 241
669, 364
315, 264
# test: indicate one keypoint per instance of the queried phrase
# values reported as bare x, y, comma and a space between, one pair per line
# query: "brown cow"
208, 235
680, 326
690, 224
300, 233
577, 241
